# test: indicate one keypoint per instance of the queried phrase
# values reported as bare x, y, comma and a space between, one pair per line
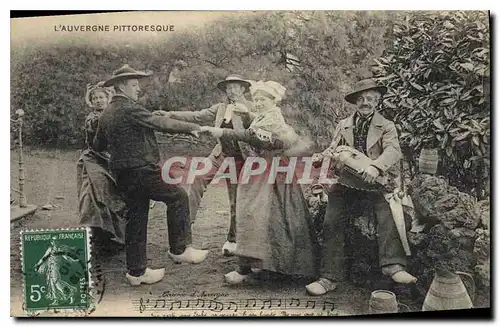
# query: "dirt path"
209, 232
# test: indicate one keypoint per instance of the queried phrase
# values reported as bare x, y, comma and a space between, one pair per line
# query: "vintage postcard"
250, 163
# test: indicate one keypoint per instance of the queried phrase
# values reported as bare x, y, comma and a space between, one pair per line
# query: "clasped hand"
317, 159
334, 157
161, 113
370, 174
240, 108
215, 131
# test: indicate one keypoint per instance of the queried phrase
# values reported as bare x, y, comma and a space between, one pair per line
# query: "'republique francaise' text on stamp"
56, 269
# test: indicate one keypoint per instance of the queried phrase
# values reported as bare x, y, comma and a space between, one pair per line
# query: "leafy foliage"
437, 74
316, 55
435, 65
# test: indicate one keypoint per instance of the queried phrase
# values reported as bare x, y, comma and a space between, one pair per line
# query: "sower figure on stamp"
126, 129
368, 132
50, 265
235, 113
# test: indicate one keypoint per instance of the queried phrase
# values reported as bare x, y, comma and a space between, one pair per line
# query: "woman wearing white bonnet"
267, 115
274, 230
274, 89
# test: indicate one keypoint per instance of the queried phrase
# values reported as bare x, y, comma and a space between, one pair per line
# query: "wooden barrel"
428, 161
382, 301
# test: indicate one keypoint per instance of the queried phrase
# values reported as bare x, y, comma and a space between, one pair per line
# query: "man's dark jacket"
126, 130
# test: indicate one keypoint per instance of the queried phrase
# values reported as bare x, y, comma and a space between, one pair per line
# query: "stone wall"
455, 235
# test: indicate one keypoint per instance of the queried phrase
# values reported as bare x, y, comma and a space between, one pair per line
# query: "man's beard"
234, 97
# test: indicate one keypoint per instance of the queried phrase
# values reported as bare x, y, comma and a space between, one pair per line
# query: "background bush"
437, 74
436, 66
329, 48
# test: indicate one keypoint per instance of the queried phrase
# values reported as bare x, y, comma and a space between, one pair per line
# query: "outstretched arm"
202, 117
243, 135
144, 118
257, 138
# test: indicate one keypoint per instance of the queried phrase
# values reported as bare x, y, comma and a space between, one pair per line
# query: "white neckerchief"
228, 114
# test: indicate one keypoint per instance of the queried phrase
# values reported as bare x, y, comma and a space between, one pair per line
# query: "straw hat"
233, 79
364, 85
125, 72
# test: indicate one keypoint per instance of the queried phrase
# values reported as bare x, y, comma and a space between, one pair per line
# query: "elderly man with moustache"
126, 130
376, 137
234, 113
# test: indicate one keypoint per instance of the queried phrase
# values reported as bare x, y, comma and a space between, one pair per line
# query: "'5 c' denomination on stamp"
56, 269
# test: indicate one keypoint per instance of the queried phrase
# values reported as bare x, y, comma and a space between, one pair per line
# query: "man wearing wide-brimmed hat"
376, 137
126, 130
233, 113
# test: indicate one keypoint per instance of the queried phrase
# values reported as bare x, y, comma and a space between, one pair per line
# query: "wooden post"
22, 198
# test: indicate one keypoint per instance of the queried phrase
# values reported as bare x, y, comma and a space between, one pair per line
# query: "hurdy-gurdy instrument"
353, 164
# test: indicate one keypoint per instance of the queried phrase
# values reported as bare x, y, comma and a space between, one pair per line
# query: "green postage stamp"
56, 268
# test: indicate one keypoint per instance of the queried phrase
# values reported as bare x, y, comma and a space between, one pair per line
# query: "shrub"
48, 82
437, 74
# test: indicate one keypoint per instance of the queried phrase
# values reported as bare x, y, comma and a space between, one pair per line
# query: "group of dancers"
270, 227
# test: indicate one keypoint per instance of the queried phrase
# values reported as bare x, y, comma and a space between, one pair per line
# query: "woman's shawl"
91, 122
271, 125
268, 135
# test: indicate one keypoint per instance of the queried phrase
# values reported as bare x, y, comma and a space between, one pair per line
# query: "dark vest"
360, 132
